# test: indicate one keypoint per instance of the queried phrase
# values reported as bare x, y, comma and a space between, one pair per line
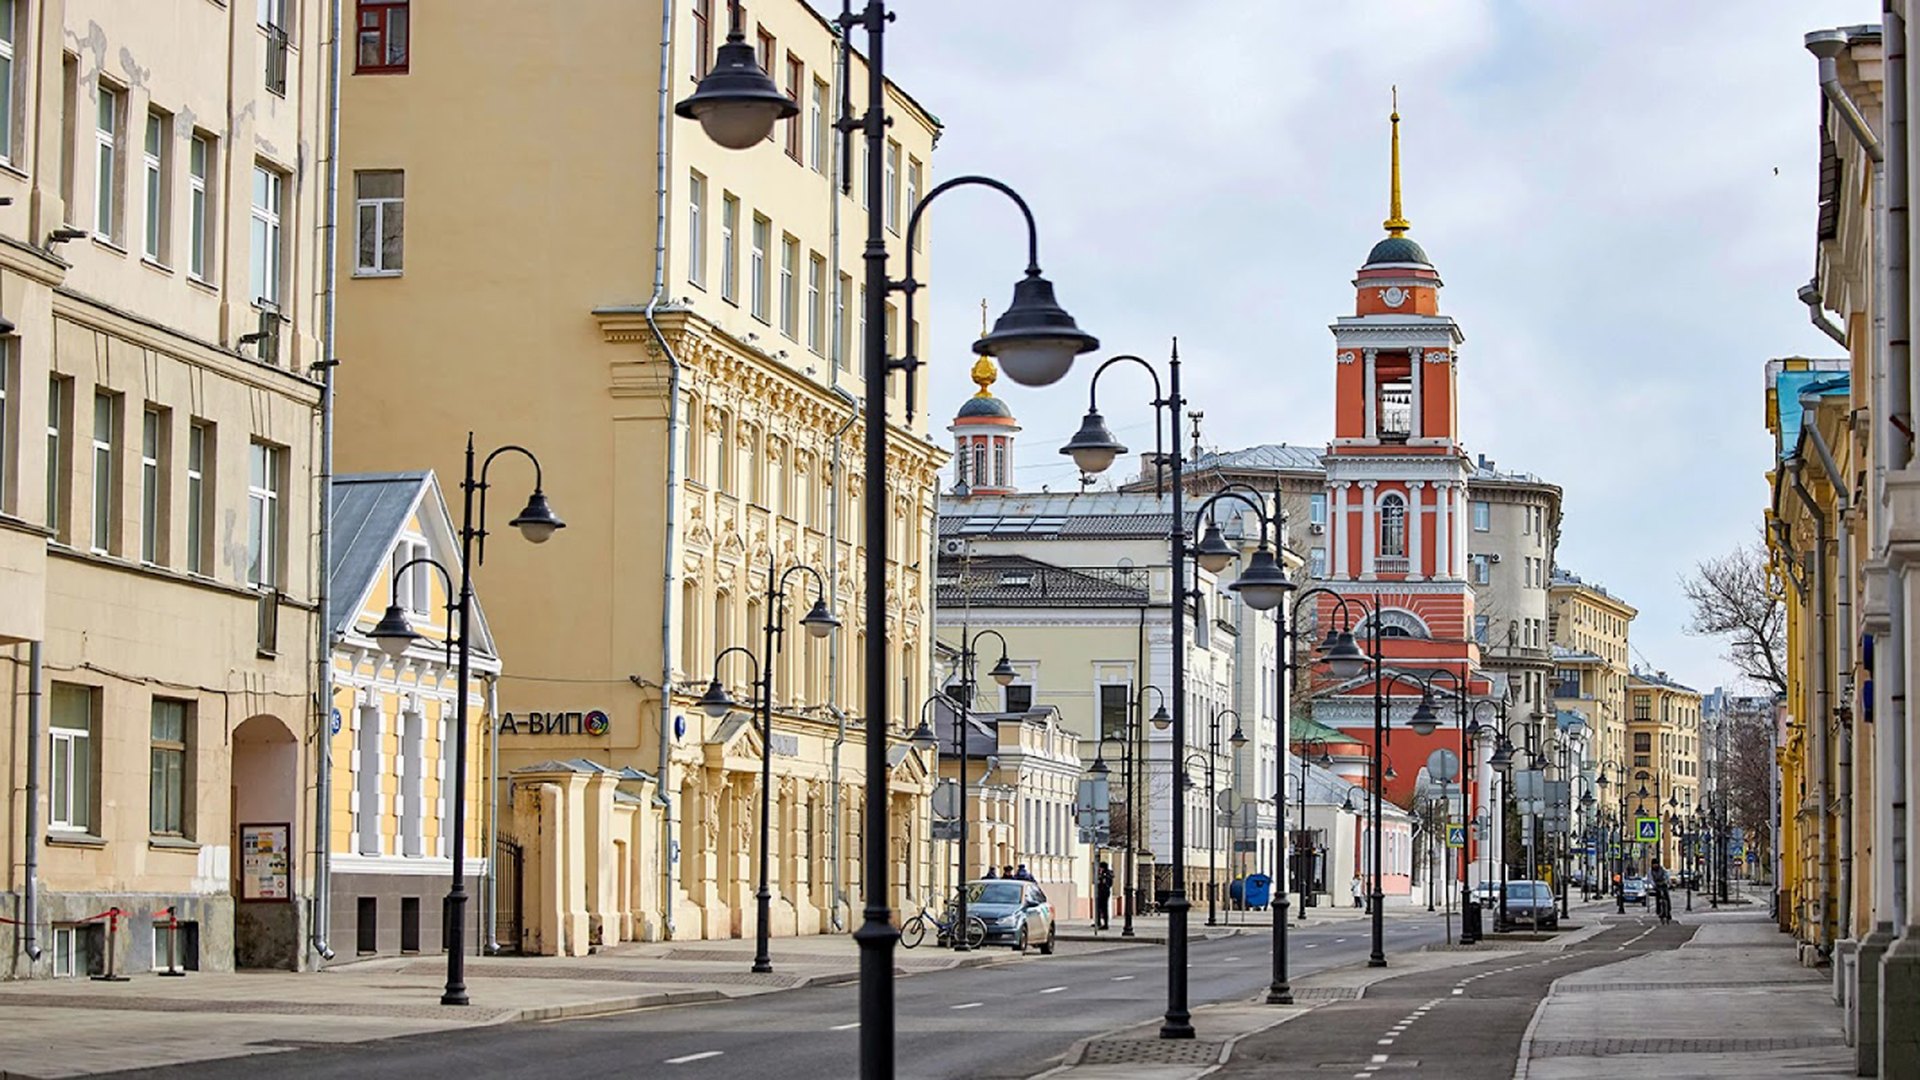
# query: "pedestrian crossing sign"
1737, 848
1649, 831
1456, 834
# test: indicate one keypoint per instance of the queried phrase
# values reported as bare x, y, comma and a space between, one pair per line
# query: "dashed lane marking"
844, 1027
701, 1056
1123, 978
970, 1005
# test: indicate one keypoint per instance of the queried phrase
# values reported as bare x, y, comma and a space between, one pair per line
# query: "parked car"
1686, 879
1488, 893
1017, 913
1530, 904
1635, 890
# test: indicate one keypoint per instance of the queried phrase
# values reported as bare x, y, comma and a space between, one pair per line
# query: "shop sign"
593, 722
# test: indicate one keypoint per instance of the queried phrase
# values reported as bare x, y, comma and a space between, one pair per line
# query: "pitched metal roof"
1062, 515
1019, 581
1266, 456
370, 510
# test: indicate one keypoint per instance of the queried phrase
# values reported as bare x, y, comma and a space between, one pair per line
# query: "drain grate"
1152, 1052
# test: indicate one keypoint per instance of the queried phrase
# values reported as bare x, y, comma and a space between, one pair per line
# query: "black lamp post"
1305, 852
1130, 769
1620, 845
538, 524
1035, 342
1345, 659
1237, 740
820, 623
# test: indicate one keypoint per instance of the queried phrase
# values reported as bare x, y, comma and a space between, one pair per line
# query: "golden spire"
1395, 224
983, 371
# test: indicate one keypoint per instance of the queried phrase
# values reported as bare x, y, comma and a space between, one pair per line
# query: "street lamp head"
1161, 721
1345, 659
1642, 793
1586, 800
1502, 758
1099, 766
537, 522
922, 737
1391, 774
1213, 552
392, 633
1003, 672
738, 102
1263, 584
1238, 739
1093, 447
1325, 760
716, 702
819, 622
1035, 341
1424, 721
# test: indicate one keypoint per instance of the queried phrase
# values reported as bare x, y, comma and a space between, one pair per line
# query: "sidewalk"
1732, 1002
54, 1025
1152, 929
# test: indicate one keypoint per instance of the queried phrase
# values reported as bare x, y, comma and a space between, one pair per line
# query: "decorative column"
1442, 529
1416, 509
1415, 425
1459, 528
1367, 402
1337, 527
1368, 534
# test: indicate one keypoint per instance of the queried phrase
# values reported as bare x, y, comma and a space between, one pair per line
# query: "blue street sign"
1456, 834
1739, 848
1648, 830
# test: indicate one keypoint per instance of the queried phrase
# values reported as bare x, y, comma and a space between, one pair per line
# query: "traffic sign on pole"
1456, 834
1649, 830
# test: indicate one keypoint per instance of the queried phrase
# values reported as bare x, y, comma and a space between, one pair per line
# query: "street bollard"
173, 946
113, 939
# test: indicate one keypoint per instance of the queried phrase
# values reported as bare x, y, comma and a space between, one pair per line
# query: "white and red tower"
1397, 505
983, 432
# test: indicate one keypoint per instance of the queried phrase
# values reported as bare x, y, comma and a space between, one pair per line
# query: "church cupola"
983, 432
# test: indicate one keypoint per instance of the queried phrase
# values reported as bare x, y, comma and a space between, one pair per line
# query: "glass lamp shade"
1263, 584
1238, 739
922, 737
1326, 760
1345, 659
1099, 766
1093, 447
1161, 721
716, 702
1391, 774
1213, 552
737, 103
1003, 672
1502, 758
392, 633
1035, 341
537, 522
1424, 722
819, 622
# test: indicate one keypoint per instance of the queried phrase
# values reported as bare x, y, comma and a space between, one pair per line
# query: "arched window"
980, 473
999, 463
960, 463
1393, 526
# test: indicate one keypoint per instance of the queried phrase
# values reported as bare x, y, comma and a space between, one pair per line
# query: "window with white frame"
817, 154
59, 406
1479, 567
412, 585
1317, 508
199, 443
9, 15
730, 249
272, 13
816, 304
106, 453
168, 788
759, 271
264, 235
1480, 629
153, 506
1482, 516
72, 951
892, 180
696, 230
74, 777
842, 348
1317, 563
789, 286
914, 176
1393, 526
106, 177
380, 206
199, 218
158, 139
264, 466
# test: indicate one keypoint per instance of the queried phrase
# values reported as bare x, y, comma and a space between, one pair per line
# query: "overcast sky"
1619, 196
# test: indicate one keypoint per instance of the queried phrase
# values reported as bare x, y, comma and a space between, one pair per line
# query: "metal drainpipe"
323, 591
1810, 296
1843, 642
668, 523
1816, 726
30, 903
490, 941
1899, 387
833, 658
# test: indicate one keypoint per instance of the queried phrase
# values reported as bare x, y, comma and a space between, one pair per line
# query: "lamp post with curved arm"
1130, 768
1237, 740
537, 523
1620, 841
1346, 660
1325, 761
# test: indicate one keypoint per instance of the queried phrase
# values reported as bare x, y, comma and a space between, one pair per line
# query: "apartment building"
1589, 628
158, 407
1664, 760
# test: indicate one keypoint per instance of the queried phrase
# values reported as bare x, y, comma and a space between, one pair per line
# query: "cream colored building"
1664, 729
1589, 627
157, 579
672, 329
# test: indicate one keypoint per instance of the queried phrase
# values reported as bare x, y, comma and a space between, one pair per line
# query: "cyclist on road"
1663, 900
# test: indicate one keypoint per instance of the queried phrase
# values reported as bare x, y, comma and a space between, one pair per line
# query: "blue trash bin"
1259, 891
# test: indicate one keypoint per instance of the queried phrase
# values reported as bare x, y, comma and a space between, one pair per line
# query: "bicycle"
914, 931
1663, 905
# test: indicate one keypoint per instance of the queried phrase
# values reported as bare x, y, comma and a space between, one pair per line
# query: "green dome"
984, 406
1398, 249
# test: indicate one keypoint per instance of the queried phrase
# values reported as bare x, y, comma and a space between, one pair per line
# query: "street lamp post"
1130, 768
1620, 843
1304, 852
1237, 740
1035, 341
1346, 661
393, 635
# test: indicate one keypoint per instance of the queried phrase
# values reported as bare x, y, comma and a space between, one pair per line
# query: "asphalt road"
1456, 1023
995, 1022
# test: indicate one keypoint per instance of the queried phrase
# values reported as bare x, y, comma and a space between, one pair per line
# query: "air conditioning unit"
1316, 529
956, 548
1494, 557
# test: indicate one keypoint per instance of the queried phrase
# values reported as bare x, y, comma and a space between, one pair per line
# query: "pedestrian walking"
1102, 894
1007, 872
1355, 889
990, 875
1023, 873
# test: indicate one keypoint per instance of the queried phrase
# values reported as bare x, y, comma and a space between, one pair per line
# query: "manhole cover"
1151, 1051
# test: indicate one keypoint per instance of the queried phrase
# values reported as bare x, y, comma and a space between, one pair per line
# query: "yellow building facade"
1663, 735
672, 329
1590, 627
157, 474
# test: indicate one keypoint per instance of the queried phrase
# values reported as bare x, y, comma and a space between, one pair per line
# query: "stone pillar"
1337, 528
600, 875
1367, 410
1369, 527
1876, 620
1899, 990
1416, 509
1442, 530
1416, 423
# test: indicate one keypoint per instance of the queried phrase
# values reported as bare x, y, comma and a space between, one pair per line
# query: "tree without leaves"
1734, 597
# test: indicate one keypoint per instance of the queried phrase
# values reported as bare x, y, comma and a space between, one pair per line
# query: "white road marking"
1378, 1058
1313, 945
1122, 978
1053, 989
701, 1056
1230, 960
1457, 991
843, 1027
970, 1005
1386, 1042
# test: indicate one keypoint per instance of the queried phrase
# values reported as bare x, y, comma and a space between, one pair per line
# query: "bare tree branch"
1734, 598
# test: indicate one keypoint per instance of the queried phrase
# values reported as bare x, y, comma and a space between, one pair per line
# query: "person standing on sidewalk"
1355, 889
1102, 894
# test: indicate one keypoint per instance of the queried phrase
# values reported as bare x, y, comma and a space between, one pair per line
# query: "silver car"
1017, 913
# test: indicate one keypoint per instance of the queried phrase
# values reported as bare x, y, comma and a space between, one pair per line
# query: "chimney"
1483, 461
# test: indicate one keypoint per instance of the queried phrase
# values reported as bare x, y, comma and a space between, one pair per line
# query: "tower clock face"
1393, 295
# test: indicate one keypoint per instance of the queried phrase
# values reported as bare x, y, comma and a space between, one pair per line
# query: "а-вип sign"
593, 722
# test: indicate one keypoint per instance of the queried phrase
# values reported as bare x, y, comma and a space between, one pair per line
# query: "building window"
1114, 698
273, 19
380, 207
759, 273
199, 441
265, 235
817, 154
1393, 526
842, 348
892, 182
75, 772
1317, 508
9, 14
730, 249
7, 379
383, 38
980, 472
1317, 563
412, 584
1480, 629
914, 176
816, 304
999, 463
69, 136
702, 38
789, 285
765, 48
1479, 565
159, 128
153, 507
264, 466
59, 408
73, 949
106, 452
1482, 516
199, 157
167, 788
796, 78
696, 230
106, 138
